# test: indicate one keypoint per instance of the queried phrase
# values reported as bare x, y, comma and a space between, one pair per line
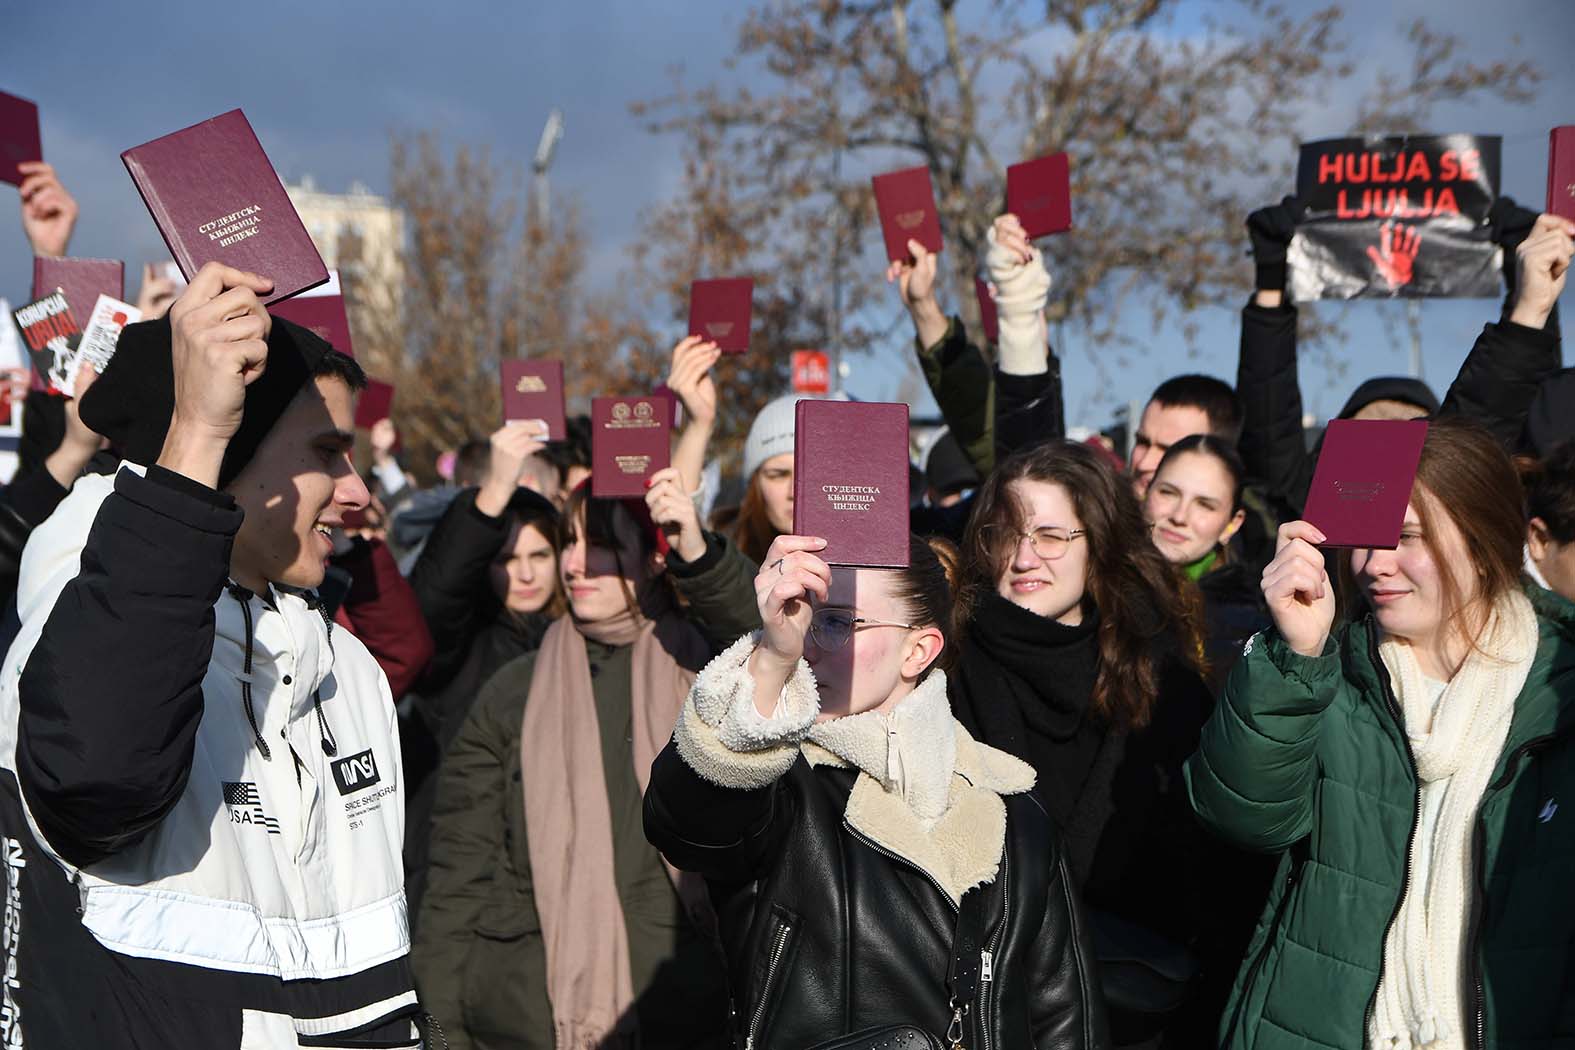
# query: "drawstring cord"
329, 743
244, 597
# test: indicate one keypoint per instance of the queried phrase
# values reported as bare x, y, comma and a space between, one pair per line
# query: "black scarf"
1025, 685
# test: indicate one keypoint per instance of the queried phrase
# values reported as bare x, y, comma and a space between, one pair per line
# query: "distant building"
361, 235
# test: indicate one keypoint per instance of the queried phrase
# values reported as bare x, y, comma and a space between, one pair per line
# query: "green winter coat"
1307, 755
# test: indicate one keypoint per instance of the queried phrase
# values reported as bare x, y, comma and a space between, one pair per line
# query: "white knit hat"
771, 433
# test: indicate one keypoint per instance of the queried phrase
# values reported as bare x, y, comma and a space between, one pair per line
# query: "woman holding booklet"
882, 878
1414, 763
548, 919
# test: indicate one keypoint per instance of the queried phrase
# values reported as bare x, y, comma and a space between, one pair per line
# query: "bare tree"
1175, 134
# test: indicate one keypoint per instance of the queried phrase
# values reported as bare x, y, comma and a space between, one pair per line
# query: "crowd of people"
1125, 757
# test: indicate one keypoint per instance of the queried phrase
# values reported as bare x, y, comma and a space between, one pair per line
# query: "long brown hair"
1467, 476
1137, 593
753, 532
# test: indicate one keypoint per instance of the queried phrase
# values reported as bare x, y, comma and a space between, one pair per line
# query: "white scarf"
1418, 1001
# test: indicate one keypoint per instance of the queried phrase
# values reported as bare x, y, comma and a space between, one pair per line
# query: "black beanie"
131, 403
946, 468
1391, 388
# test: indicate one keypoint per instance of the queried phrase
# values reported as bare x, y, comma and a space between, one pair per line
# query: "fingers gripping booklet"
850, 481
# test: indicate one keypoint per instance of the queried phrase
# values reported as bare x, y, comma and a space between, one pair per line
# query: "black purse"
962, 982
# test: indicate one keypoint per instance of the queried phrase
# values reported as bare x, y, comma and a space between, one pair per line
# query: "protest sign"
1396, 217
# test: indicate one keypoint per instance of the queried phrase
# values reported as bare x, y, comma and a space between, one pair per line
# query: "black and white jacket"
200, 795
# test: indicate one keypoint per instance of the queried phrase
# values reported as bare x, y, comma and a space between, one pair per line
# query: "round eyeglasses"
1048, 543
831, 628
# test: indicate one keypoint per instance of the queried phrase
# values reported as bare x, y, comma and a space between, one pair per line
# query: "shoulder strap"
962, 980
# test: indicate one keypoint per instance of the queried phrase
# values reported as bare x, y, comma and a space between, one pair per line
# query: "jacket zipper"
987, 957
778, 946
1416, 811
878, 848
1478, 1028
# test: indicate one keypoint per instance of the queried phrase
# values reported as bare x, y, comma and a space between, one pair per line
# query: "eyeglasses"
831, 628
1049, 542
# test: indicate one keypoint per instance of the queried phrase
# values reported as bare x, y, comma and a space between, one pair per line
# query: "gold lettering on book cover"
234, 227
858, 498
633, 464
642, 414
909, 220
531, 385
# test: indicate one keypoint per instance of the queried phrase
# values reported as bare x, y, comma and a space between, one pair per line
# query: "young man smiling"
209, 774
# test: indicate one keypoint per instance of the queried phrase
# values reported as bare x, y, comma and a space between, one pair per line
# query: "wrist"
1530, 315
66, 463
194, 450
926, 310
493, 497
1269, 298
691, 544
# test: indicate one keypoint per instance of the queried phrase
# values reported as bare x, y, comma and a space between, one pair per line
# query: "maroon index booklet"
719, 310
215, 196
1561, 172
322, 310
1363, 481
906, 202
534, 390
1039, 193
83, 281
374, 403
850, 480
629, 443
19, 138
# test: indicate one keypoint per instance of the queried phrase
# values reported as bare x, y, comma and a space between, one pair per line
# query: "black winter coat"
1233, 611
1496, 385
827, 934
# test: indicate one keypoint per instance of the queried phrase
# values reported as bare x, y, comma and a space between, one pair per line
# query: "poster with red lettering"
1397, 217
811, 372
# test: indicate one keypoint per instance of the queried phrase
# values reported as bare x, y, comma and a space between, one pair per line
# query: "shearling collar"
960, 847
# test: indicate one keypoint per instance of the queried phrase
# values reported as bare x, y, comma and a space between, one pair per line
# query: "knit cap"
131, 403
771, 433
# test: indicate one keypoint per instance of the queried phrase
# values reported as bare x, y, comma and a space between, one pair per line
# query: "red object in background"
720, 310
811, 372
1363, 481
987, 315
324, 315
1039, 193
19, 138
1561, 172
906, 202
374, 403
83, 281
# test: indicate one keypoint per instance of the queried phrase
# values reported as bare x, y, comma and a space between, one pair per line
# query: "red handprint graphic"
1396, 253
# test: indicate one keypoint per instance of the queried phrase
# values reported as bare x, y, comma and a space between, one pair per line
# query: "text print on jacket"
235, 843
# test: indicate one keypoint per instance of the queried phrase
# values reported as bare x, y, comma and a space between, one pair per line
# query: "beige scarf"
569, 821
1456, 747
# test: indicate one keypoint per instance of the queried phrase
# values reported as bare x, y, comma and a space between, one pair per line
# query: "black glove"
1271, 230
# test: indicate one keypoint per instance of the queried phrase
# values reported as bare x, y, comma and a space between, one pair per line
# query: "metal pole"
1413, 317
546, 148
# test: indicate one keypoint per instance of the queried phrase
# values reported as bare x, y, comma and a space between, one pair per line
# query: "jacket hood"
1391, 388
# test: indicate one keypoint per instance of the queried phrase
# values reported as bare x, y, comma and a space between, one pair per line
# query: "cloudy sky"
325, 82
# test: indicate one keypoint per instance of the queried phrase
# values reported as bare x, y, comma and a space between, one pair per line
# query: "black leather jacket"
828, 934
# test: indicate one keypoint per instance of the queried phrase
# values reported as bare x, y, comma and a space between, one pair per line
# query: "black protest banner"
1396, 217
